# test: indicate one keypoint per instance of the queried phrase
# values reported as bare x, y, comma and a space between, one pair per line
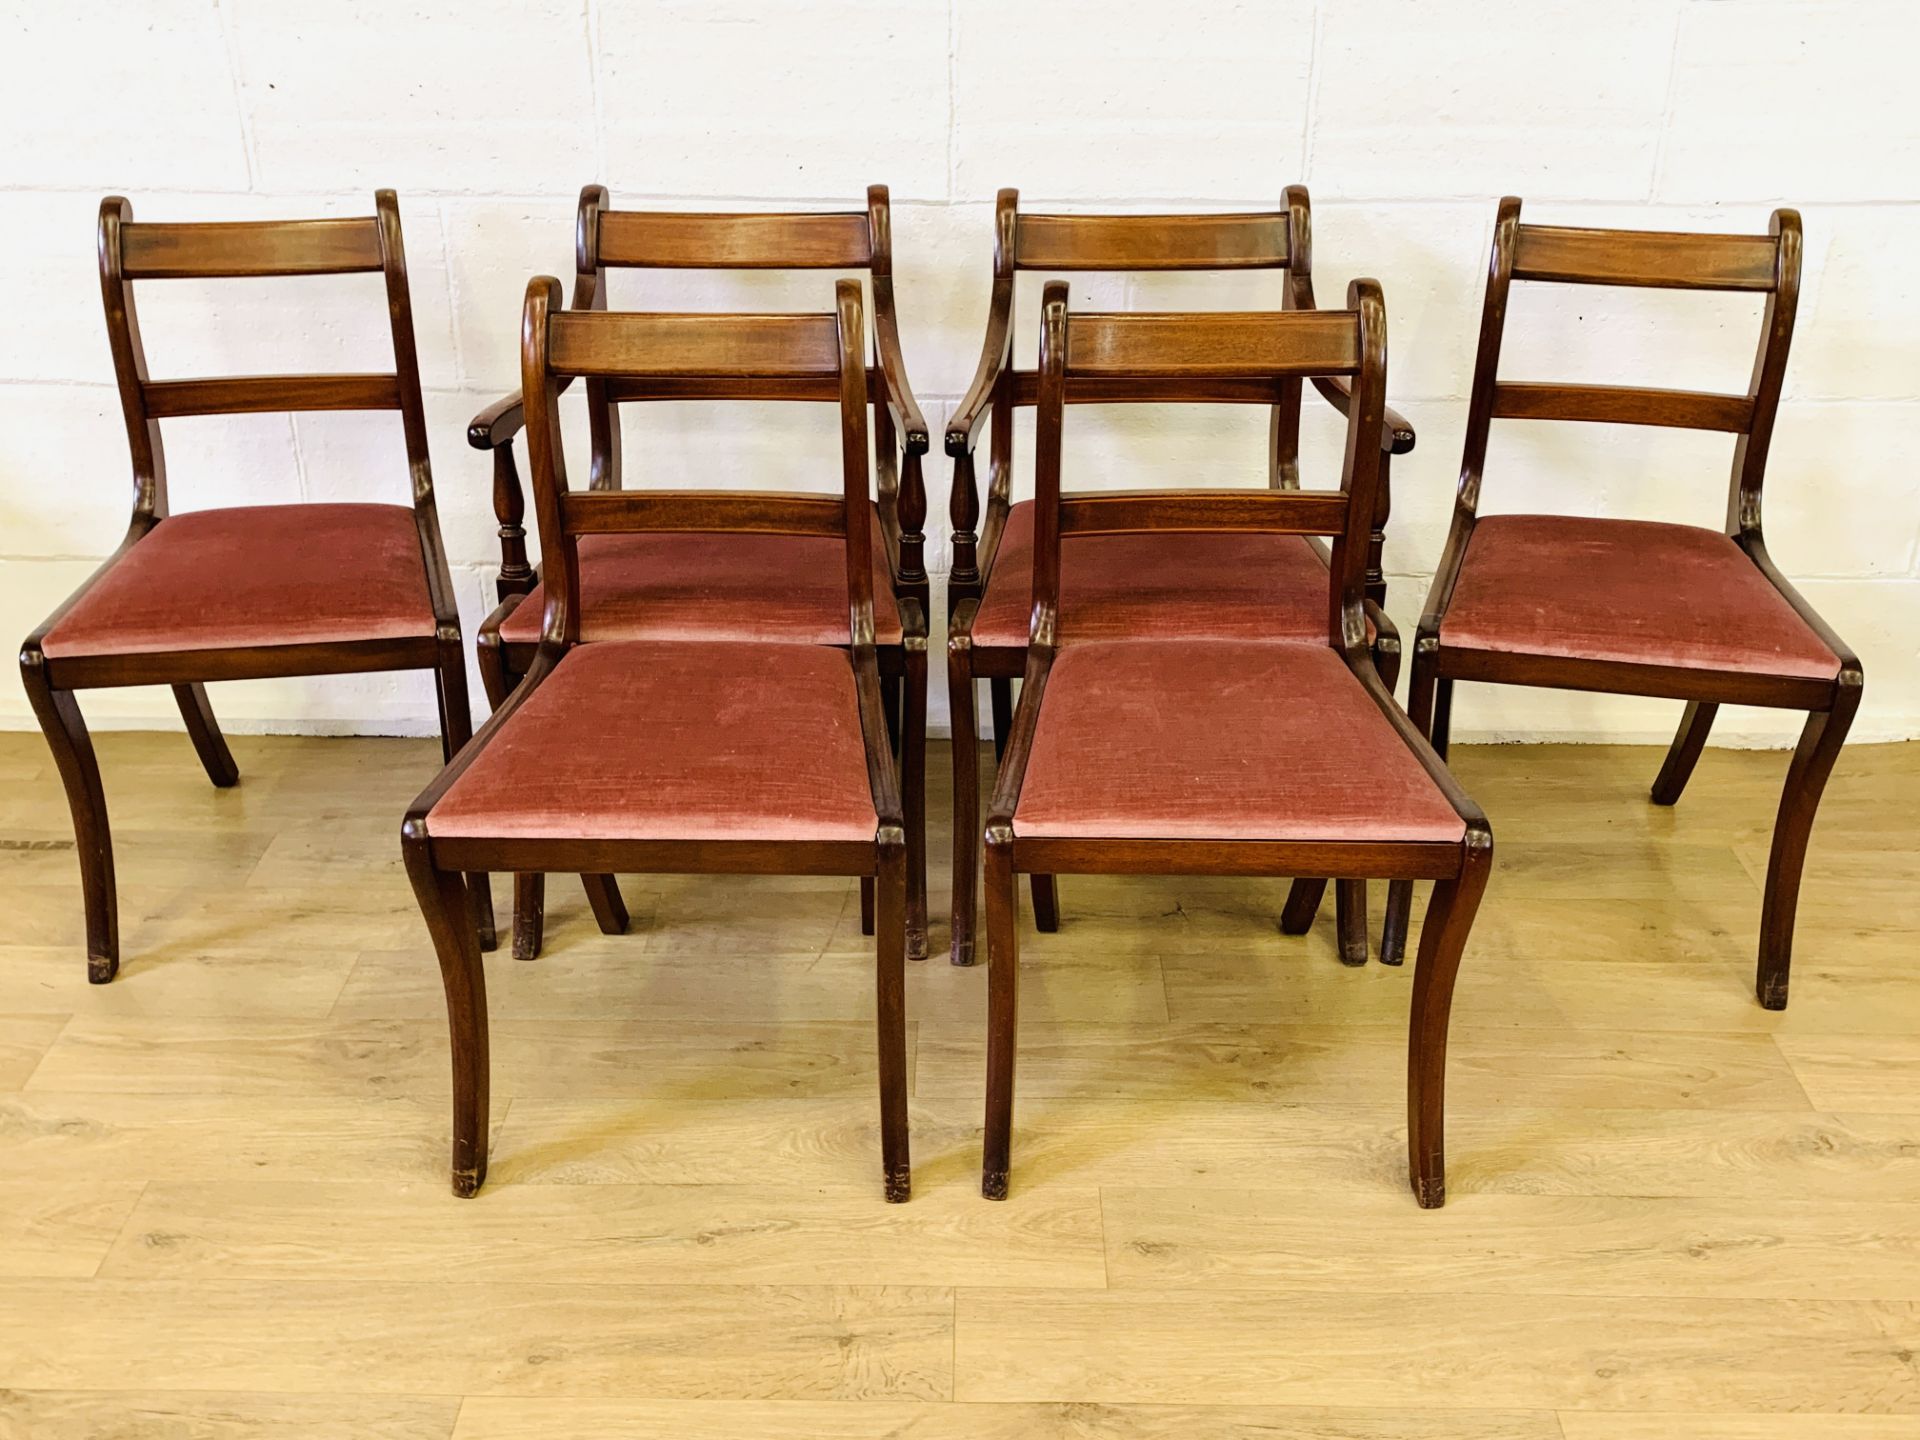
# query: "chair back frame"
1227, 358
1262, 240
131, 252
138, 252
606, 239
711, 356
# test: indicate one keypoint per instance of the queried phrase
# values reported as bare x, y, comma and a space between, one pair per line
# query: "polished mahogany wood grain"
1150, 346
739, 347
1655, 259
1150, 242
1623, 405
590, 512
232, 250
256, 394
735, 241
1270, 512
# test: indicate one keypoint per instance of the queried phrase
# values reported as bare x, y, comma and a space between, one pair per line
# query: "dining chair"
1219, 584
674, 755
1271, 754
250, 591
659, 585
1636, 607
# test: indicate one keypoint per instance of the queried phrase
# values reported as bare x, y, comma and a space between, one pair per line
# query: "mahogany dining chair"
250, 591
1631, 606
1241, 585
657, 585
1237, 755
670, 754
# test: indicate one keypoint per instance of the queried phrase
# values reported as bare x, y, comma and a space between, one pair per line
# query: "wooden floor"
224, 1209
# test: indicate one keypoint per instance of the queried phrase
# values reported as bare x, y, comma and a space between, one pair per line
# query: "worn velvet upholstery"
674, 740
682, 586
1626, 590
1239, 587
1221, 739
256, 575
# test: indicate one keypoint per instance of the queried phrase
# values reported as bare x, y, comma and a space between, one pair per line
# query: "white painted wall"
1407, 120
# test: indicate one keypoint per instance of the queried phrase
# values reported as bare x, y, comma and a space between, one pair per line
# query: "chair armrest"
1396, 435
964, 426
1383, 627
907, 418
498, 423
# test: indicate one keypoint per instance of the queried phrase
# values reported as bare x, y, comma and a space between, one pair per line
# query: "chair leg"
1000, 689
1443, 936
1420, 710
456, 729
529, 914
443, 901
1303, 903
1350, 917
1813, 757
1046, 893
963, 716
603, 894
66, 730
208, 743
1695, 721
891, 1015
1046, 902
866, 905
1003, 1014
1442, 716
913, 786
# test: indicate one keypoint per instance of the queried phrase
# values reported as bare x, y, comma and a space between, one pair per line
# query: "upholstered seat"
1230, 586
255, 575
672, 740
657, 586
1221, 739
1625, 590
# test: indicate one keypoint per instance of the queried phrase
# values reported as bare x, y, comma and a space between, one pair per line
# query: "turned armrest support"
493, 430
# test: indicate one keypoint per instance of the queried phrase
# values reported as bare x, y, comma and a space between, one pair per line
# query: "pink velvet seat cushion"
1221, 740
1626, 590
1244, 587
256, 575
680, 586
674, 740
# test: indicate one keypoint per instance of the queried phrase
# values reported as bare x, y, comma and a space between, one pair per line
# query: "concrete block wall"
1407, 120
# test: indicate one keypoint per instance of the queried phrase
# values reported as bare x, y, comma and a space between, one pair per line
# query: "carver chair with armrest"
1226, 584
658, 585
1635, 607
670, 755
1223, 756
252, 591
